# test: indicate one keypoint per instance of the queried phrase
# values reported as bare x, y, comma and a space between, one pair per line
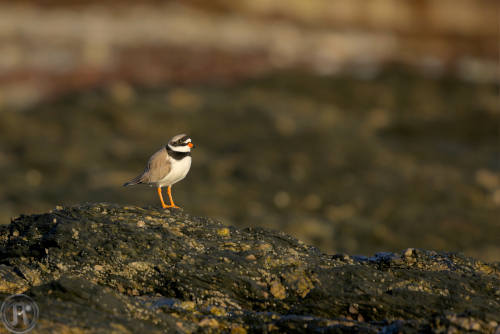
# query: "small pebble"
188, 305
265, 247
209, 322
251, 257
278, 290
408, 252
217, 311
223, 232
238, 330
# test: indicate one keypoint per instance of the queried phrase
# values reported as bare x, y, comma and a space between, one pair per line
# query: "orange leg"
161, 198
172, 205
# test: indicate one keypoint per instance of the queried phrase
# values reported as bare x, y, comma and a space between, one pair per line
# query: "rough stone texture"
102, 268
346, 165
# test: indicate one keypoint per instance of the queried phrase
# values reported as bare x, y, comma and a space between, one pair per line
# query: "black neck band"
177, 155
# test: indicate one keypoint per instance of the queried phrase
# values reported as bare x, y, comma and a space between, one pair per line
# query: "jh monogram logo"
19, 313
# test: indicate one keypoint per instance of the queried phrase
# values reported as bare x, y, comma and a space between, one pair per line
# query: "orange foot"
171, 206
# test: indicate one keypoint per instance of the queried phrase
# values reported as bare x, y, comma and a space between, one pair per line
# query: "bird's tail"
133, 182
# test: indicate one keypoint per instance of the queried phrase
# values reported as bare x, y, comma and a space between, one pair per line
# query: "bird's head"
181, 143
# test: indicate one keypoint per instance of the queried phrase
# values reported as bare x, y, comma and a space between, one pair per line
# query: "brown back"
158, 167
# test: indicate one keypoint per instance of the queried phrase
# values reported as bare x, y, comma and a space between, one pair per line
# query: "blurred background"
356, 126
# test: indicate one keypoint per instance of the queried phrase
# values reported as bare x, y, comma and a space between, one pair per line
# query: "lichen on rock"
108, 268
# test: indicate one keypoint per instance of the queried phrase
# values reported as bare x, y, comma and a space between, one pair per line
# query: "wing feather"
158, 167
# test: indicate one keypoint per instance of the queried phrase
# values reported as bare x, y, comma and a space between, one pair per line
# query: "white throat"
185, 148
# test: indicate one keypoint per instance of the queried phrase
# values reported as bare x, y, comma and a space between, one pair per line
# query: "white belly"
179, 170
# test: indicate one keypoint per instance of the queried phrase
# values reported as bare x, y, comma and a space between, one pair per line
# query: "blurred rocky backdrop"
355, 126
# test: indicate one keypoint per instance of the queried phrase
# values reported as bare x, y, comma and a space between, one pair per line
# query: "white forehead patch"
187, 141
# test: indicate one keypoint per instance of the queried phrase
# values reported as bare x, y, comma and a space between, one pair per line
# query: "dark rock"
107, 268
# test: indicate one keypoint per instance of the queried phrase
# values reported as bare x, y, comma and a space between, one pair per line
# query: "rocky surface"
103, 268
346, 165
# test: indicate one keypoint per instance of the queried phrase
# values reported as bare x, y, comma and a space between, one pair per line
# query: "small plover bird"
166, 167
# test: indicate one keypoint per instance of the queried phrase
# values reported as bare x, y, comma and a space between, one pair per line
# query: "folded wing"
158, 167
